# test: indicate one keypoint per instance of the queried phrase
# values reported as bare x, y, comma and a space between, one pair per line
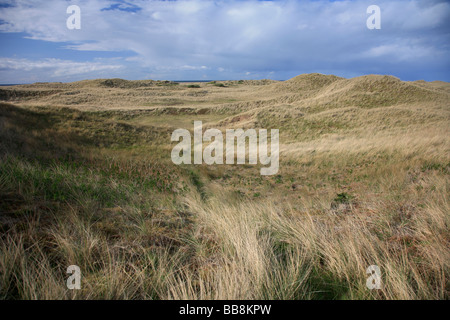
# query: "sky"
222, 40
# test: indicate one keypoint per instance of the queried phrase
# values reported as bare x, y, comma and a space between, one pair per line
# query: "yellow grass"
86, 179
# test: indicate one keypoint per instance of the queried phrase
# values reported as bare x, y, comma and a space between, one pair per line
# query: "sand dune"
86, 179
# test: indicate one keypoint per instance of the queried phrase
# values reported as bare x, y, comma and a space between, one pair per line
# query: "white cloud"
179, 39
400, 52
55, 67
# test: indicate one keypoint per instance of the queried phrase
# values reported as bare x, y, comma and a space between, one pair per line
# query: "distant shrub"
220, 85
279, 179
167, 83
343, 197
435, 166
193, 86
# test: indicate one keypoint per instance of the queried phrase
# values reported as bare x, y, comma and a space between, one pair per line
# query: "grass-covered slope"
86, 179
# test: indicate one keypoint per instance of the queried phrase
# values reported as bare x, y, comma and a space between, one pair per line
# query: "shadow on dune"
34, 135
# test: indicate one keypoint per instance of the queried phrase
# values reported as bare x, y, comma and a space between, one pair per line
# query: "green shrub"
343, 197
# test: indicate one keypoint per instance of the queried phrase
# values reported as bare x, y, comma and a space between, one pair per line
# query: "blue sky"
237, 39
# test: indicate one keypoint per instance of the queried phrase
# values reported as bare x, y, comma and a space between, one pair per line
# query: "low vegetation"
86, 179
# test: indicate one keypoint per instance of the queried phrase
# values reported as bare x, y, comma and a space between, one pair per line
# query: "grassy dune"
86, 179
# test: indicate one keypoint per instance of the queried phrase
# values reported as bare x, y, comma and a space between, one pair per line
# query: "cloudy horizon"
222, 40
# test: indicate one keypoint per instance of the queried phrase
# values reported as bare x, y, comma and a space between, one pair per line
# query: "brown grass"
86, 179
